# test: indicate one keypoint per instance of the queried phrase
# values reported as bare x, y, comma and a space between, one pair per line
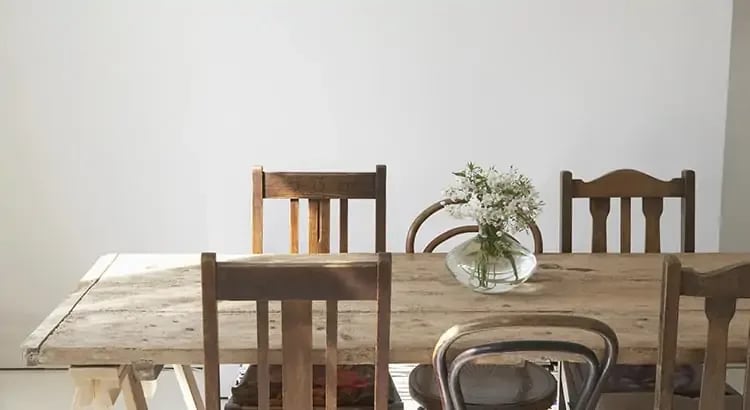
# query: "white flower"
504, 201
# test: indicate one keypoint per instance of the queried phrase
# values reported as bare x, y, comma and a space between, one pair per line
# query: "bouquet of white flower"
502, 204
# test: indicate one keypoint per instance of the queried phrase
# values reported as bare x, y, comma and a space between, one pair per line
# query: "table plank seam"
32, 353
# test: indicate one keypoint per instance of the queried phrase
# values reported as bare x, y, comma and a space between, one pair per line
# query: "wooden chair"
626, 184
296, 281
319, 188
422, 383
448, 374
411, 235
721, 289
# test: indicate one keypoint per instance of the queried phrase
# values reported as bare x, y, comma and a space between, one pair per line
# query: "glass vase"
485, 273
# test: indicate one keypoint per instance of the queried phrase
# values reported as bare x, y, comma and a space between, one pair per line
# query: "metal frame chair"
448, 375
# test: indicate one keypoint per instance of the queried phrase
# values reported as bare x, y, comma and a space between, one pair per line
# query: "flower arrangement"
501, 203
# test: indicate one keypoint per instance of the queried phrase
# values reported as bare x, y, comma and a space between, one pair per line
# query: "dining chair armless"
720, 288
318, 189
624, 185
296, 280
422, 383
448, 374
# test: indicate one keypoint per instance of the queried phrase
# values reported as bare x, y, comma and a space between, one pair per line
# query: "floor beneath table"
52, 389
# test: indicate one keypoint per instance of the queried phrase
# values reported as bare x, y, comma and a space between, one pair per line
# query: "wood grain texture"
669, 319
627, 184
320, 185
383, 332
719, 312
151, 305
380, 208
294, 225
313, 225
332, 334
257, 210
566, 212
343, 225
37, 338
599, 208
652, 210
296, 323
688, 212
716, 285
625, 234
210, 331
263, 344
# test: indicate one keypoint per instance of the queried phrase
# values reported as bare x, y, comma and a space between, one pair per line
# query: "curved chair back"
411, 236
448, 374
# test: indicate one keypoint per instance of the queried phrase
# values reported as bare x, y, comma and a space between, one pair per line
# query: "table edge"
33, 343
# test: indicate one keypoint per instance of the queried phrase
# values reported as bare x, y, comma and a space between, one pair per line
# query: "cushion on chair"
528, 386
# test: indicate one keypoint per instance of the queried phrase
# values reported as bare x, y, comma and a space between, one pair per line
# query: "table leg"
189, 387
132, 391
96, 387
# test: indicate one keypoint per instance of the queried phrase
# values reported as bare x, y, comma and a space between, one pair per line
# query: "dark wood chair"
411, 235
626, 184
422, 383
296, 281
318, 189
721, 289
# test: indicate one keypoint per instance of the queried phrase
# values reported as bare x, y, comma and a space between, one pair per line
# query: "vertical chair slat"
719, 311
566, 211
669, 319
324, 226
294, 225
296, 350
313, 225
383, 332
380, 208
343, 225
599, 208
625, 235
263, 375
745, 395
257, 210
688, 212
652, 210
331, 354
210, 331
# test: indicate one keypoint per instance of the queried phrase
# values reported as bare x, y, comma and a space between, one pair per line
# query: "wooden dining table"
133, 313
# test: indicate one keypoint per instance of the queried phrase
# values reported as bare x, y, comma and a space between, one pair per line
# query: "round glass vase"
484, 273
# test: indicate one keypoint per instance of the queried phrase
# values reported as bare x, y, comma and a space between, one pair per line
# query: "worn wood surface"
148, 308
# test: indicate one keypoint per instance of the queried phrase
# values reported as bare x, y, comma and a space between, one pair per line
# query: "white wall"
735, 220
132, 126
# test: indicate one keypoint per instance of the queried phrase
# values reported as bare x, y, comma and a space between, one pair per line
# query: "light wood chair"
422, 383
296, 280
626, 184
318, 188
721, 289
451, 387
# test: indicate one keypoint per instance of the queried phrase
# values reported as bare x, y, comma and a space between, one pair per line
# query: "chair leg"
132, 391
189, 387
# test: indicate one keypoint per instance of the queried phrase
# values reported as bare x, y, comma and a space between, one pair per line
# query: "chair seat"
485, 386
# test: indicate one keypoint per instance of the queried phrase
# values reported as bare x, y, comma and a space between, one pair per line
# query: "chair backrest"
448, 374
411, 235
319, 188
721, 289
296, 280
626, 184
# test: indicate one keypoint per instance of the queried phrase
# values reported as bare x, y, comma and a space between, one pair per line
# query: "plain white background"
132, 126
